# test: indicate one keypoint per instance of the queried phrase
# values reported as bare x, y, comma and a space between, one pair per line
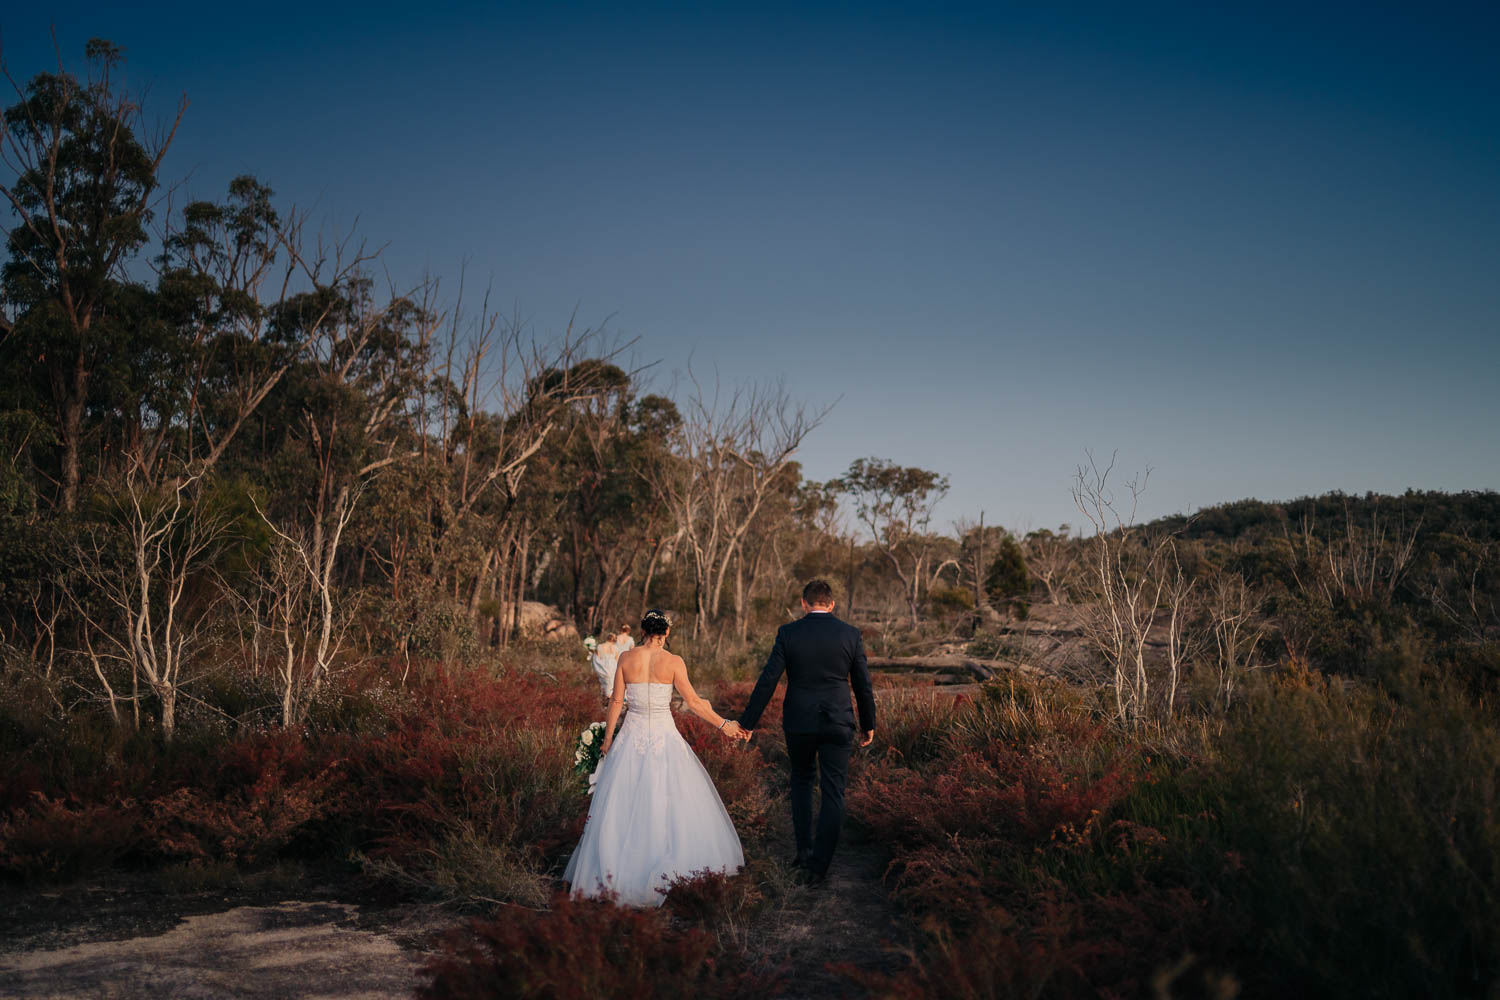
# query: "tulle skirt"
655, 816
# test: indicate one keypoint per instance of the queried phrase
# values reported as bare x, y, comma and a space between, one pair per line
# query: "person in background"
604, 657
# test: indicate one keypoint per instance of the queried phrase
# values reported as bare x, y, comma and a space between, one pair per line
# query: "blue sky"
1250, 246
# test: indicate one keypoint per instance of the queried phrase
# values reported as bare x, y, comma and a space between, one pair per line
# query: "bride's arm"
616, 703
697, 704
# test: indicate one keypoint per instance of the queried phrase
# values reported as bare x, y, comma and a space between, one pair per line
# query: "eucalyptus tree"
226, 271
895, 504
340, 414
617, 446
81, 178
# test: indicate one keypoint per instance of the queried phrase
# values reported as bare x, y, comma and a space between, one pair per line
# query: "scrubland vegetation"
268, 535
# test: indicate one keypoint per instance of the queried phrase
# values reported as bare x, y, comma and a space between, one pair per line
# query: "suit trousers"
821, 757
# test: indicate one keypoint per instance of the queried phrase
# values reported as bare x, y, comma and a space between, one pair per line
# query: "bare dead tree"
1128, 576
1457, 595
161, 605
1238, 627
973, 563
734, 449
1178, 592
1053, 559
1368, 563
507, 403
304, 604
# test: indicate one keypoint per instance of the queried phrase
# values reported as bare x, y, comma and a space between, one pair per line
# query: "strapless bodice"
649, 698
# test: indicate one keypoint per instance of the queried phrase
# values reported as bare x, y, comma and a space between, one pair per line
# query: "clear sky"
1253, 246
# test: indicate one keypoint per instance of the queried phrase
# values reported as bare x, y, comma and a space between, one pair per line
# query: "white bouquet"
589, 751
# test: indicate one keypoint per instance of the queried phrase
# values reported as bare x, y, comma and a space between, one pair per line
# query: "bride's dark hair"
655, 623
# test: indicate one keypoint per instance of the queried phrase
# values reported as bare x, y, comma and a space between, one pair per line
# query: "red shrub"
1108, 946
1005, 792
53, 839
582, 949
711, 899
475, 701
736, 695
1001, 852
23, 783
470, 750
248, 824
513, 787
268, 788
995, 959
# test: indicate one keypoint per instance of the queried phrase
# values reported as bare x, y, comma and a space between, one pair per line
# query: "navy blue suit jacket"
821, 657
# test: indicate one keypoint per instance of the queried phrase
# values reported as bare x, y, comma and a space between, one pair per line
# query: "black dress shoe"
811, 877
800, 861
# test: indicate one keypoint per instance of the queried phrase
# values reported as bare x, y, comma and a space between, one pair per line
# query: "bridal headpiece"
655, 623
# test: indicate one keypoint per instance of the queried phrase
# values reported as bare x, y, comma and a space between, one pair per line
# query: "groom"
822, 656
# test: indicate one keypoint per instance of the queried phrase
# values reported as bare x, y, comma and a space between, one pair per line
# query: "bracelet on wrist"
723, 724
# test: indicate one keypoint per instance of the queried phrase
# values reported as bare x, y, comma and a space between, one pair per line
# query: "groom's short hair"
818, 593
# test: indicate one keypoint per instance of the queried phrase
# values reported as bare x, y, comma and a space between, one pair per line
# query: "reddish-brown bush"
53, 839
1003, 792
583, 949
712, 899
1015, 861
465, 751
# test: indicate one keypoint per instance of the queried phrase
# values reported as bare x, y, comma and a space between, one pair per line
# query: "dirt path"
848, 920
123, 940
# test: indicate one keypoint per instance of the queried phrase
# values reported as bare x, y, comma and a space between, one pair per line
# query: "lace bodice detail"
648, 718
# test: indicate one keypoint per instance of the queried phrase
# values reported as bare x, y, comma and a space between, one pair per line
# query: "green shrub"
1008, 579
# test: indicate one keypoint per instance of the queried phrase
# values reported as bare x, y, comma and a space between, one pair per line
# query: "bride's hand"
733, 731
604, 749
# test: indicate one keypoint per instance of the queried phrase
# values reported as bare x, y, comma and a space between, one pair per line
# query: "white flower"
588, 737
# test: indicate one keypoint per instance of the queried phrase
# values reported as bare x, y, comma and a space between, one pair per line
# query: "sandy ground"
294, 949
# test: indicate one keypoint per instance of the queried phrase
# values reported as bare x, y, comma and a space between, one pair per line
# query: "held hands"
734, 731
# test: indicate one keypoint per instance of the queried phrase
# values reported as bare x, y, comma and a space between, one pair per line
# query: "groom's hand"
867, 738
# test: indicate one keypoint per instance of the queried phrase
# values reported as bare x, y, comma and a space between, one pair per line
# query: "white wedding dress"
604, 669
655, 815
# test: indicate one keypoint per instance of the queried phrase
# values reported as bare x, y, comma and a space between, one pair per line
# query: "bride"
655, 815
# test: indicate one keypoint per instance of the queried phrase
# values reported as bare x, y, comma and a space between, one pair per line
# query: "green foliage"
948, 601
894, 501
1007, 579
1325, 784
422, 625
